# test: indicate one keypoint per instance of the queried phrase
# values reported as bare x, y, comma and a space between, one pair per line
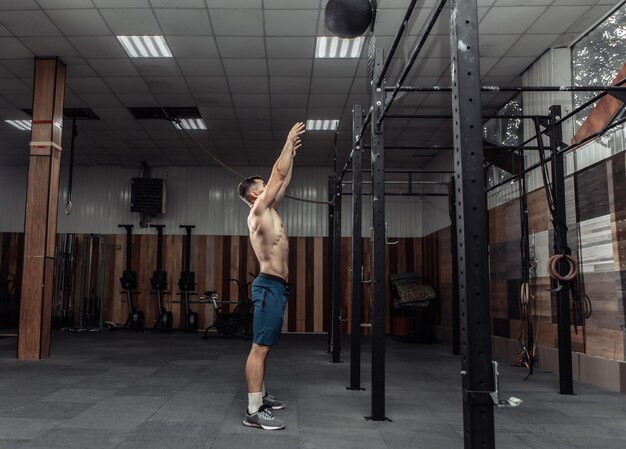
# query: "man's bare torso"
269, 241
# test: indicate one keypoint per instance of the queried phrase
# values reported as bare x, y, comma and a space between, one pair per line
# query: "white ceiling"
249, 67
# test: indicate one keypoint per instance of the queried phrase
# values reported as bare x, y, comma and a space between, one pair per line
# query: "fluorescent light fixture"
334, 47
145, 46
22, 125
190, 123
322, 125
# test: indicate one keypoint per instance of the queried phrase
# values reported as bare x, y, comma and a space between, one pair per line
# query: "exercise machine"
159, 284
231, 323
187, 284
128, 281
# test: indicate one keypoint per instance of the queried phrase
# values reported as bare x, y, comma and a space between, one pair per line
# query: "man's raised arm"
281, 172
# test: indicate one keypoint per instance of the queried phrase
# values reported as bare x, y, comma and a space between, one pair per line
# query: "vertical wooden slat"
319, 286
291, 313
301, 285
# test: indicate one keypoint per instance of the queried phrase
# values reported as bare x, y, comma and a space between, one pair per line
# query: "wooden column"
40, 224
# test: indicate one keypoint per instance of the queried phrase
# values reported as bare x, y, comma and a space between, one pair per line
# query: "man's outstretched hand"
294, 135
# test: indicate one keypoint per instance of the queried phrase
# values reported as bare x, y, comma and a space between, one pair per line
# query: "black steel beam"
409, 64
561, 151
336, 273
472, 228
357, 253
396, 41
456, 326
401, 194
330, 262
449, 116
378, 246
525, 272
496, 89
424, 172
566, 383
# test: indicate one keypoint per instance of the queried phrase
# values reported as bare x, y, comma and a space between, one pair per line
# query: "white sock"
264, 390
255, 401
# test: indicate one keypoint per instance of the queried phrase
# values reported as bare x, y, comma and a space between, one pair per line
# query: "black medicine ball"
348, 18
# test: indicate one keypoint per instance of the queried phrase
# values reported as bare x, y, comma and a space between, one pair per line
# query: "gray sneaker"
270, 401
263, 419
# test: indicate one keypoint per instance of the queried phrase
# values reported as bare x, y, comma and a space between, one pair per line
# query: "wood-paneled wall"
216, 259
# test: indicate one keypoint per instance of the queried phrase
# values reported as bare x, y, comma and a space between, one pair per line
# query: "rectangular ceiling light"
22, 125
190, 123
321, 125
145, 46
334, 47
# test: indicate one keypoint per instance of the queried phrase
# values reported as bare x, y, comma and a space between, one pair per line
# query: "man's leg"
255, 372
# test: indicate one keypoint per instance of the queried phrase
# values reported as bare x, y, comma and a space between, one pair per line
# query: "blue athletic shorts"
269, 297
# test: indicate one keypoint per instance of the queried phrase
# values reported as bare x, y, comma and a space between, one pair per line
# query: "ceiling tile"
292, 4
80, 70
496, 45
295, 67
28, 23
185, 22
101, 46
167, 85
192, 46
288, 100
291, 22
531, 45
234, 3
282, 85
88, 85
237, 22
210, 113
498, 19
22, 4
79, 22
330, 100
557, 19
100, 100
131, 22
178, 4
253, 114
241, 47
334, 67
116, 113
121, 3
244, 84
50, 46
251, 100
13, 86
245, 67
593, 15
11, 47
330, 85
511, 66
191, 67
290, 47
126, 85
179, 99
65, 4
207, 84
157, 67
114, 67
213, 100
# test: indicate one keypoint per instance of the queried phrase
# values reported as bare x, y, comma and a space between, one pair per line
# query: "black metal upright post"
525, 250
330, 262
357, 254
378, 246
456, 327
336, 298
472, 230
566, 383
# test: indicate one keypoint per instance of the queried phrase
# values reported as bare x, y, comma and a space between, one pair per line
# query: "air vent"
165, 113
70, 113
147, 195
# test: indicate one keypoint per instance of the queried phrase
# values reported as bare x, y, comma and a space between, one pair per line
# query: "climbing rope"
231, 170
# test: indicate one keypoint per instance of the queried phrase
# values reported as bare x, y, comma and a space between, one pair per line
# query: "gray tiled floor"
126, 390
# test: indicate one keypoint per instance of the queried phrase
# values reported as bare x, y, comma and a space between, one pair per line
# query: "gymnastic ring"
552, 267
525, 293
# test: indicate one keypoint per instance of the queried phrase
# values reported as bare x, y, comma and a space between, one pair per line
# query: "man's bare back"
269, 241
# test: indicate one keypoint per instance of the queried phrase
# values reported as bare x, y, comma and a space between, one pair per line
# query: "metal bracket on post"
363, 281
491, 397
387, 241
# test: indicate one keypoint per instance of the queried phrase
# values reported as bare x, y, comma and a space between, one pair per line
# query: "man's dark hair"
246, 185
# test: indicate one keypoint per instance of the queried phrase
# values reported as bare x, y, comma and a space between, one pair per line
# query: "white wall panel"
202, 196
12, 198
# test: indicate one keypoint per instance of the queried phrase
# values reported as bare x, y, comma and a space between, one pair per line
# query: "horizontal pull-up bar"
422, 172
409, 64
400, 194
607, 89
408, 181
396, 41
449, 116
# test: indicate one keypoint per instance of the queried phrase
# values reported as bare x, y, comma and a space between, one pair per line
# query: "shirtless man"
270, 289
